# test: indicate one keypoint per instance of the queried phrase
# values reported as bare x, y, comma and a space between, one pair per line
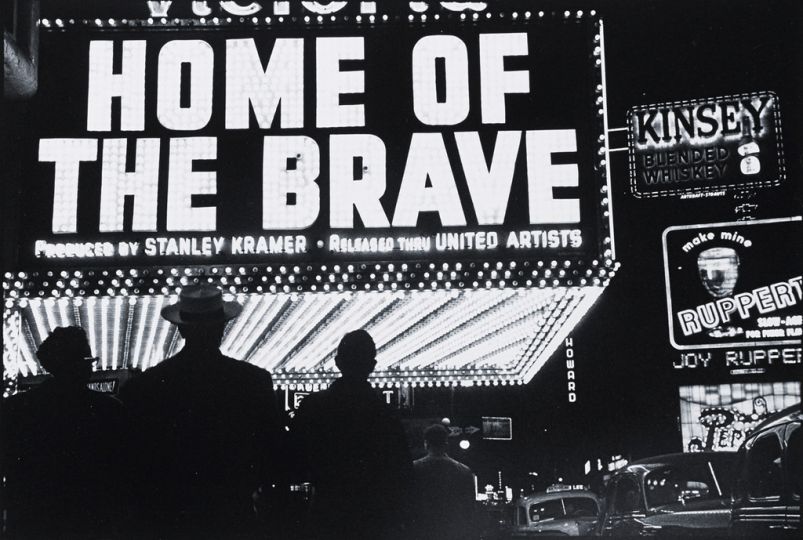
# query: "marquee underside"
476, 337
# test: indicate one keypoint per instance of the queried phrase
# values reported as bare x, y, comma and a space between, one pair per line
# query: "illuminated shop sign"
734, 284
498, 428
703, 147
721, 417
740, 361
318, 143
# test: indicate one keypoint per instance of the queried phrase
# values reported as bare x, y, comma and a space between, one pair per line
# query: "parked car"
555, 512
672, 495
766, 498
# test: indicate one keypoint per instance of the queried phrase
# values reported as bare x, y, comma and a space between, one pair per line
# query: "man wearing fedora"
61, 449
206, 429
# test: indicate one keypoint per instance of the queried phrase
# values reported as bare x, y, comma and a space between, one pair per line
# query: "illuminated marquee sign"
443, 179
296, 144
721, 417
734, 284
703, 147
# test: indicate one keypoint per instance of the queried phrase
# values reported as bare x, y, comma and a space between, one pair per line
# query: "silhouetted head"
203, 336
66, 354
436, 439
201, 315
356, 355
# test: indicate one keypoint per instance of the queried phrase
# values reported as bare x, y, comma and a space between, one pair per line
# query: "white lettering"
332, 83
543, 176
142, 184
428, 161
200, 58
282, 81
290, 196
363, 192
183, 183
454, 107
495, 82
128, 85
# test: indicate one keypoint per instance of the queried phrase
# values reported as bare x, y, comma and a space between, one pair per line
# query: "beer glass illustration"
718, 268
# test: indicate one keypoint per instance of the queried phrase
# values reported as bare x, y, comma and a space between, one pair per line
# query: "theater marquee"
285, 156
318, 145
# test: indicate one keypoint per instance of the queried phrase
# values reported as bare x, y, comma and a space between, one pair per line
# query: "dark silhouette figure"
206, 430
61, 449
446, 493
355, 452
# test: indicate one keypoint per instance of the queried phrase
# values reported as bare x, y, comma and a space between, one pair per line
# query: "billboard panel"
703, 147
720, 417
270, 145
734, 284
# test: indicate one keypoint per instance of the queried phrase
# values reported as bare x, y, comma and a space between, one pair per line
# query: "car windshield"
692, 481
580, 507
572, 507
546, 510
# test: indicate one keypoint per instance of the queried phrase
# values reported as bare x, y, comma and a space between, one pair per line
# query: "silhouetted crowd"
196, 447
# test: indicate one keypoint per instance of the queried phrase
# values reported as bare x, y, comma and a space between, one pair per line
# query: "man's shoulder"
12, 405
101, 399
105, 405
315, 401
153, 377
245, 367
421, 462
442, 463
462, 468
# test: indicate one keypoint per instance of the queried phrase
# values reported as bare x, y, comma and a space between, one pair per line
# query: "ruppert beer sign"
734, 284
705, 147
266, 140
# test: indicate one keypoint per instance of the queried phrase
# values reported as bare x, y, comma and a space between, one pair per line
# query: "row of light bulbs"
111, 23
149, 338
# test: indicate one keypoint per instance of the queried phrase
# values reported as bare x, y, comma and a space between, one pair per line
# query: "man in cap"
354, 450
206, 429
446, 495
61, 448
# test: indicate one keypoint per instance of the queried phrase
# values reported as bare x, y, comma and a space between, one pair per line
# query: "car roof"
789, 414
543, 496
685, 458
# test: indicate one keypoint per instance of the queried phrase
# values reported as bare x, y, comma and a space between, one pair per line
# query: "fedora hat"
198, 304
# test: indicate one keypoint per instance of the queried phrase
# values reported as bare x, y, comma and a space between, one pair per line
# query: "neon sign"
321, 146
725, 286
443, 178
703, 147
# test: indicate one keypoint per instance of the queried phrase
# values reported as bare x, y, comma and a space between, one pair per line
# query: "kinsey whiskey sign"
705, 147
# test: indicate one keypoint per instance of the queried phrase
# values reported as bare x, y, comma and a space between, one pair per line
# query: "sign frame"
670, 315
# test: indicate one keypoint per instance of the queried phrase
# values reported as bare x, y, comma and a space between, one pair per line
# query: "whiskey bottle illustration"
749, 150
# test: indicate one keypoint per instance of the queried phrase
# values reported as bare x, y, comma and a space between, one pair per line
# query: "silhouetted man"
356, 452
445, 489
206, 429
62, 447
